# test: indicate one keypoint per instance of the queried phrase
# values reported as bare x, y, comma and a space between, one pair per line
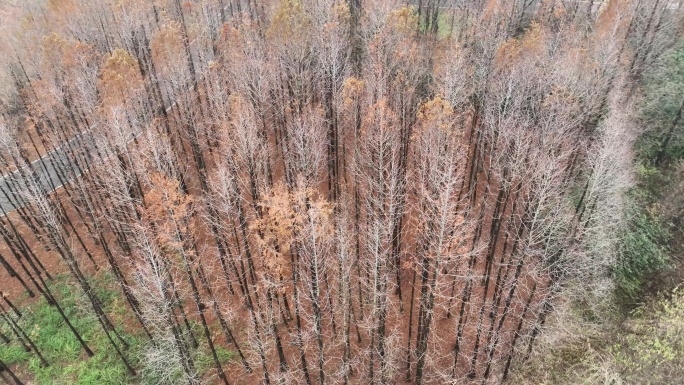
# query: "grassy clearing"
68, 362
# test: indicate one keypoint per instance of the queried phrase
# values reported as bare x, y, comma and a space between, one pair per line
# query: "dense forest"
340, 192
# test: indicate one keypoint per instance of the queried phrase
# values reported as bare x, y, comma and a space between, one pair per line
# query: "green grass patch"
68, 362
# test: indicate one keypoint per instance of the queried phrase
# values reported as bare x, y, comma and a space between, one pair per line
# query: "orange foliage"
404, 20
379, 117
42, 96
167, 43
437, 113
614, 16
53, 46
289, 21
165, 208
531, 44
352, 91
78, 53
494, 8
119, 77
61, 54
277, 224
284, 218
61, 8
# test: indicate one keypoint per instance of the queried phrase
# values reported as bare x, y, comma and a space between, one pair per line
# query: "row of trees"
340, 192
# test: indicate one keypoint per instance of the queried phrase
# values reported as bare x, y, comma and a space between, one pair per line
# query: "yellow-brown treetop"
379, 117
120, 78
437, 113
167, 44
352, 91
167, 209
289, 21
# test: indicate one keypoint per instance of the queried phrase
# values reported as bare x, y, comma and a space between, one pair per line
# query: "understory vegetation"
640, 340
45, 328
